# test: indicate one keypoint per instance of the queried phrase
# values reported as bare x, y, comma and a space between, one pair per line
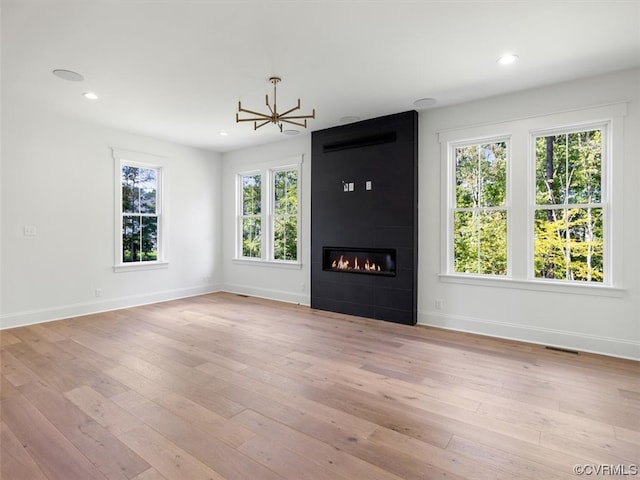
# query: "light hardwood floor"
223, 386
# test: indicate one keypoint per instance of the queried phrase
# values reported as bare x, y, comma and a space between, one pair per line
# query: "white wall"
607, 324
604, 324
269, 281
58, 175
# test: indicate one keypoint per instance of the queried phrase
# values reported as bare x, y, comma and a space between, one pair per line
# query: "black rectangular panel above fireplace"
364, 216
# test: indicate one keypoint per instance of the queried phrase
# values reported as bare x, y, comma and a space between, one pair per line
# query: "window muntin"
528, 202
251, 215
479, 213
285, 215
140, 213
268, 214
569, 229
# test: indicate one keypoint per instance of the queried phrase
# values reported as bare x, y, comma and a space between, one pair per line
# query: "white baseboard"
31, 317
614, 347
270, 294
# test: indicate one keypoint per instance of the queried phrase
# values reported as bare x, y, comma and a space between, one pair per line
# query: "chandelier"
261, 119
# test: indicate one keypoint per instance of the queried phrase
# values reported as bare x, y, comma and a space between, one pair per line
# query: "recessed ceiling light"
424, 102
508, 59
68, 75
223, 134
290, 132
90, 95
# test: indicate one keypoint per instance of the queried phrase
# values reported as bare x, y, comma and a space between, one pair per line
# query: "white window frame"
268, 171
605, 127
240, 215
451, 179
272, 215
141, 160
521, 190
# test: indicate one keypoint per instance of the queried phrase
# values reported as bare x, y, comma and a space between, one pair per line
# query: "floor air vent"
563, 350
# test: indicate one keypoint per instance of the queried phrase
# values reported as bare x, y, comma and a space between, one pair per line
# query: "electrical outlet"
98, 292
439, 304
30, 231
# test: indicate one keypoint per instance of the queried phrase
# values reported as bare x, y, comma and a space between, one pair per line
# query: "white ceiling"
175, 69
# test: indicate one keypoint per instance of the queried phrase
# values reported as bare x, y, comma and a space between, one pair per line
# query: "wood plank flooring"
227, 387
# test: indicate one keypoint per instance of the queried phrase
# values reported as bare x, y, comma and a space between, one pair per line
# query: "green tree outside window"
139, 188
479, 214
568, 221
285, 215
251, 218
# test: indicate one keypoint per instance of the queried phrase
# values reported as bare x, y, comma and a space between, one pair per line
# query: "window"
139, 215
479, 211
285, 215
569, 209
268, 215
251, 216
529, 202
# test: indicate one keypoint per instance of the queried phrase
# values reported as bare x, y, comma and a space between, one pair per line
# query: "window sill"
268, 263
141, 266
535, 285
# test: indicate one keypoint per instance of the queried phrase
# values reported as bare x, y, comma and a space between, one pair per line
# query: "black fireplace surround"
364, 218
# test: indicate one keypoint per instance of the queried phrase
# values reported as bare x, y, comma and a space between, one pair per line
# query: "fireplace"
364, 218
367, 261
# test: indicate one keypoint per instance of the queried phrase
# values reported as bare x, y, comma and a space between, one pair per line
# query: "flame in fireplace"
345, 264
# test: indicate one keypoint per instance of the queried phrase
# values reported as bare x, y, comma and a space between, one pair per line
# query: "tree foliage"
285, 215
139, 214
479, 217
251, 216
568, 221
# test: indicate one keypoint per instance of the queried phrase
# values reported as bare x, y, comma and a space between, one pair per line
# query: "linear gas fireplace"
368, 261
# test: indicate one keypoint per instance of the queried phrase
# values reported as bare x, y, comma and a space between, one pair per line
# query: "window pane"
481, 175
285, 237
251, 237
493, 174
149, 239
130, 239
467, 182
251, 195
148, 182
285, 187
129, 189
139, 186
569, 244
569, 168
480, 242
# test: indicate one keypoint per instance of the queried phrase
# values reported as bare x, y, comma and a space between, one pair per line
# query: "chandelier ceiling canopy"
262, 119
